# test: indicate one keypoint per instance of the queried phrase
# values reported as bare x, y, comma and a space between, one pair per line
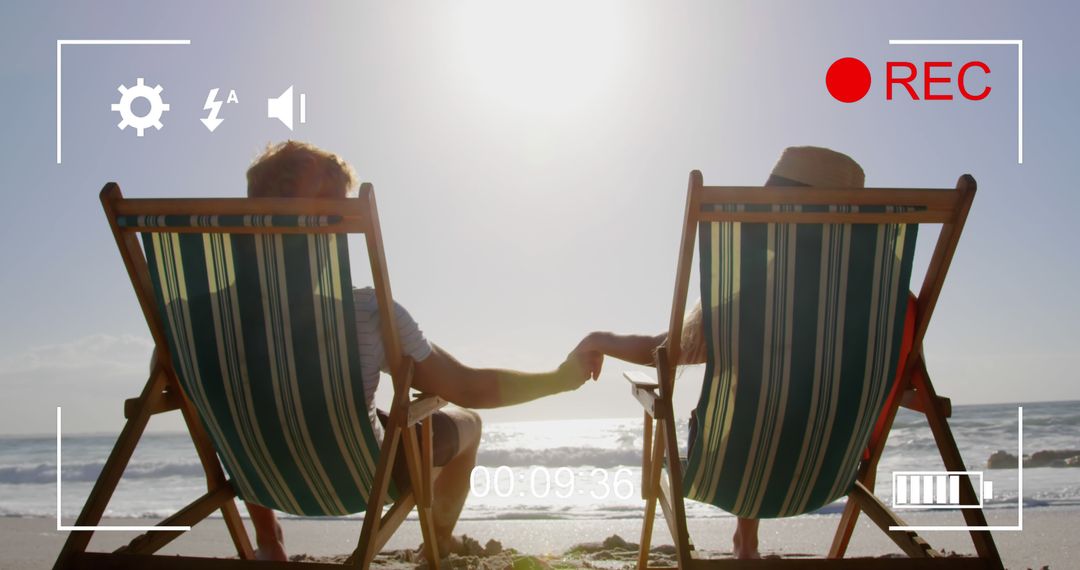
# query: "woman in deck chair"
299, 170
798, 166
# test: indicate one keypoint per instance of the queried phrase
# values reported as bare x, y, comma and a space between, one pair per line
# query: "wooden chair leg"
235, 524
909, 541
159, 385
393, 519
215, 476
646, 454
427, 456
423, 494
650, 489
844, 530
395, 516
366, 548
196, 511
115, 465
867, 474
950, 455
671, 445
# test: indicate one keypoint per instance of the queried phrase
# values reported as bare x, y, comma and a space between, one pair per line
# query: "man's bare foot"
461, 545
450, 544
445, 548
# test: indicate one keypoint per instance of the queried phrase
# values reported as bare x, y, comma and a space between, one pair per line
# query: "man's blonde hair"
295, 169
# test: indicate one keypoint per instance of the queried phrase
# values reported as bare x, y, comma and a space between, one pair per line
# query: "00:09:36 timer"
541, 482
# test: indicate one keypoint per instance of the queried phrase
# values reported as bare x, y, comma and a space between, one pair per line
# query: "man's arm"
441, 374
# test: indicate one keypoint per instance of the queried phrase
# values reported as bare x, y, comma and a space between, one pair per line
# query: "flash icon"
212, 120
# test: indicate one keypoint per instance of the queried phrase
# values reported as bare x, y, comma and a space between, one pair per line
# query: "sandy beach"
1048, 539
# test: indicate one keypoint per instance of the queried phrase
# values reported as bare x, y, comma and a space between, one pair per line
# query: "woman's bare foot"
742, 553
271, 551
272, 547
745, 541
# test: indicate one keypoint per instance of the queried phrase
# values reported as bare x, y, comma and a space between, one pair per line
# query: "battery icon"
937, 489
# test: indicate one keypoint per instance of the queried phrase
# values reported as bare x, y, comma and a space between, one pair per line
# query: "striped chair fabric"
803, 324
261, 330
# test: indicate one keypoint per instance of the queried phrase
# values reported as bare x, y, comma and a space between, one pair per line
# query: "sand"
1049, 539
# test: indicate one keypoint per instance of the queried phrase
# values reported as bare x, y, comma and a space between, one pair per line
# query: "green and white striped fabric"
262, 334
803, 324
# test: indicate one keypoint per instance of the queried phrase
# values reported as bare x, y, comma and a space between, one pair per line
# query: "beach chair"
249, 302
804, 294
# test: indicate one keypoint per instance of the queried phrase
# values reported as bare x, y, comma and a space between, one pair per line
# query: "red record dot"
848, 79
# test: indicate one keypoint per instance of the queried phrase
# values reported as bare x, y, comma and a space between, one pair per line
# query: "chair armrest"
644, 389
422, 406
641, 380
169, 400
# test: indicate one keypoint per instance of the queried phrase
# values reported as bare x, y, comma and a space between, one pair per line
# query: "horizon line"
633, 418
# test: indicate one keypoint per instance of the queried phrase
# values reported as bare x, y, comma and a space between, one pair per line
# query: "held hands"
586, 360
590, 351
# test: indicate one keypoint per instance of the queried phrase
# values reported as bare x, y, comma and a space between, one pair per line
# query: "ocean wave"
42, 473
1067, 420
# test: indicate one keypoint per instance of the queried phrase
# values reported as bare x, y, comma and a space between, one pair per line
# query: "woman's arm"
638, 349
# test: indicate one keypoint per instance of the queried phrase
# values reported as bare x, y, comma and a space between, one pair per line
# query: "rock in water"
1045, 458
1051, 458
1001, 459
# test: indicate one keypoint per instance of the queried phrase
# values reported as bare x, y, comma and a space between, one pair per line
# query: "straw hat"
816, 166
798, 166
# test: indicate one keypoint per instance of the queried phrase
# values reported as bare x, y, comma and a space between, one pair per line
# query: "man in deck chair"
798, 166
299, 170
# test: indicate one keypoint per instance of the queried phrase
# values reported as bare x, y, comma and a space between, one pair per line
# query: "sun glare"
538, 57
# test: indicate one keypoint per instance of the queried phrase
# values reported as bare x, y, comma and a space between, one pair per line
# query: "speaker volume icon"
281, 108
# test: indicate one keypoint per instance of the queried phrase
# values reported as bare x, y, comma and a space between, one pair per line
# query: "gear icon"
152, 118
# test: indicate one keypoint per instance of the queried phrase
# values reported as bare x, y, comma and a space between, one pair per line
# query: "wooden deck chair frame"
948, 207
162, 393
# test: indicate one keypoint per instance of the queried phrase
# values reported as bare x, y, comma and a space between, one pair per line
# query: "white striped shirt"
372, 356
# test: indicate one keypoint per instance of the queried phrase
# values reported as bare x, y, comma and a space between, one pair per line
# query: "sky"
530, 161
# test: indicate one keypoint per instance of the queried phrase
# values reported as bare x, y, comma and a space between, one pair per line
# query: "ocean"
569, 469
